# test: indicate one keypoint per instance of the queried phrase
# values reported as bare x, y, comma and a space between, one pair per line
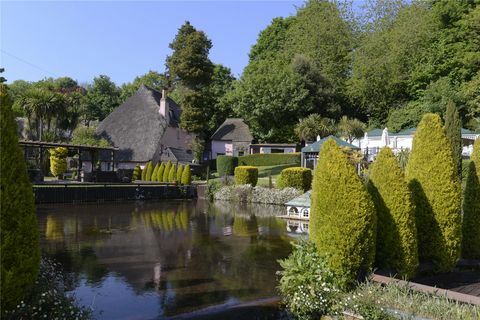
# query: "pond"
155, 260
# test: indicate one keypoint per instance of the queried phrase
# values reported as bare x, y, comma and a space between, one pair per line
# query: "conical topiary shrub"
396, 232
172, 175
149, 170
343, 221
58, 161
155, 172
144, 172
471, 208
186, 176
435, 187
166, 172
160, 172
179, 173
137, 173
20, 251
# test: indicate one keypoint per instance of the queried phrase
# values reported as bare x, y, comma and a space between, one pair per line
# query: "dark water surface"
154, 260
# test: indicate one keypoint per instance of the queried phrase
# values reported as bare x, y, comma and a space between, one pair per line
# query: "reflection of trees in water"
162, 219
54, 228
245, 227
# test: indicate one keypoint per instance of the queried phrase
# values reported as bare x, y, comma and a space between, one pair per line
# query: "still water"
155, 260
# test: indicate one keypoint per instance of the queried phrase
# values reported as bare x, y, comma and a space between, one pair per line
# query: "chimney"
164, 106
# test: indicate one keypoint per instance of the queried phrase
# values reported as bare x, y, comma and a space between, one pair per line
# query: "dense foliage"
186, 176
297, 177
226, 165
160, 173
246, 175
179, 172
137, 173
269, 159
471, 208
166, 171
307, 285
155, 172
341, 206
58, 161
20, 251
396, 230
435, 187
453, 127
149, 171
172, 174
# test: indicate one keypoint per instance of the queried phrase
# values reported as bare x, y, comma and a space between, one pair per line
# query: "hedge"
137, 173
246, 175
19, 236
396, 231
226, 165
172, 175
471, 208
269, 159
179, 172
58, 161
186, 175
297, 177
342, 219
166, 172
434, 184
160, 172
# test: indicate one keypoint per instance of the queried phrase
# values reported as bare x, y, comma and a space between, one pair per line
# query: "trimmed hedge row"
226, 165
246, 175
296, 177
268, 159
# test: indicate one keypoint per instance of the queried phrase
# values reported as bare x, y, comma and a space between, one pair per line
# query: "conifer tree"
20, 251
137, 173
160, 172
453, 127
144, 172
166, 172
179, 173
343, 221
471, 208
172, 175
148, 175
435, 187
186, 176
396, 231
155, 172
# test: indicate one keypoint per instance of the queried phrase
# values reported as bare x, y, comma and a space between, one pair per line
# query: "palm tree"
314, 125
350, 129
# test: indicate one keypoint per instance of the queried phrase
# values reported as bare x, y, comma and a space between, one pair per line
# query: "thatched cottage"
232, 138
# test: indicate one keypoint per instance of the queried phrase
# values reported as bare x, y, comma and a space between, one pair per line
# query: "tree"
144, 172
186, 176
149, 171
151, 79
314, 125
189, 60
179, 173
58, 161
20, 250
155, 172
166, 172
350, 129
434, 184
453, 128
160, 172
396, 230
87, 136
471, 208
102, 97
172, 174
342, 220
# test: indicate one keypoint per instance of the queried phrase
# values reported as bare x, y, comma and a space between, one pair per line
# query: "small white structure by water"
299, 208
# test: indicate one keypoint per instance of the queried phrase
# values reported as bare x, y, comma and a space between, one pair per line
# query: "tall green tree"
435, 186
314, 125
20, 250
453, 128
102, 98
350, 129
151, 79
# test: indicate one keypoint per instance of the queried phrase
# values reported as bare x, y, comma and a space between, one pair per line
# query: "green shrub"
179, 173
308, 287
434, 183
172, 175
160, 172
137, 173
155, 172
269, 159
453, 127
58, 161
246, 175
471, 208
297, 177
20, 251
149, 171
186, 176
166, 172
226, 165
396, 231
144, 171
343, 220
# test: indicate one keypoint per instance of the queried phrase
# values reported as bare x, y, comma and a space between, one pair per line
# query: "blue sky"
123, 39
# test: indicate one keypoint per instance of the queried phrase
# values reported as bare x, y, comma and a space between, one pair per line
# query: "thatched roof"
233, 129
136, 127
182, 156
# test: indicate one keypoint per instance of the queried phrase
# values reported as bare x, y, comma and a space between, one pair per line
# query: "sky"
123, 39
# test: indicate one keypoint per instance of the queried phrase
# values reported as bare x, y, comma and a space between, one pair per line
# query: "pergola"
92, 150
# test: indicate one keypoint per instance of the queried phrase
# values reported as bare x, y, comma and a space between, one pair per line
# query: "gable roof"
375, 132
182, 155
233, 129
316, 146
136, 127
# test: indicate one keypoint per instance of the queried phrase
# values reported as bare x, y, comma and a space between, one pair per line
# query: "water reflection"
154, 260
